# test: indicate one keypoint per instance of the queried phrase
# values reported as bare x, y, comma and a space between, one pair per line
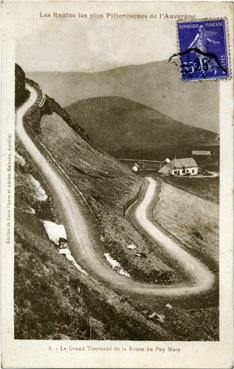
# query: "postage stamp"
203, 50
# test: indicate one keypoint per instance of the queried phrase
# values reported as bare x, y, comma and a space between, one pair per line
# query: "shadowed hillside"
44, 277
156, 84
125, 128
53, 299
20, 92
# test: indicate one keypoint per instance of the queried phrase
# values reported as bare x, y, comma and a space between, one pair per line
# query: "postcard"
117, 184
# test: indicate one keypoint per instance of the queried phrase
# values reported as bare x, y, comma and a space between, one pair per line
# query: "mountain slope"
53, 299
155, 84
66, 300
20, 92
125, 128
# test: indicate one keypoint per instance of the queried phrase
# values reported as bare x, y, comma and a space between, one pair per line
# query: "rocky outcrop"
20, 91
51, 106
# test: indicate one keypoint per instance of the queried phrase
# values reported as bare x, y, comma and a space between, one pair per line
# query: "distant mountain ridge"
157, 85
125, 128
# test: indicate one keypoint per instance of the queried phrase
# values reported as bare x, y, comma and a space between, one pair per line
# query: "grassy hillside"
54, 300
108, 187
196, 229
73, 302
155, 84
125, 128
208, 188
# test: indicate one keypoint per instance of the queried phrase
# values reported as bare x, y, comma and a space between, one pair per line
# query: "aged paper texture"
116, 184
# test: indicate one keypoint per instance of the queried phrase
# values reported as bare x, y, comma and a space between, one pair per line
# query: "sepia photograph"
116, 195
117, 173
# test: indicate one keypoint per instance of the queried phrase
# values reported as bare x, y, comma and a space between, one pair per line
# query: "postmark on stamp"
203, 50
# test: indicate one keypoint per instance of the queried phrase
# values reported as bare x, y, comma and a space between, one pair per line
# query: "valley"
106, 189
154, 84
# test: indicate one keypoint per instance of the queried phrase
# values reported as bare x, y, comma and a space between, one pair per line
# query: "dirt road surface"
201, 278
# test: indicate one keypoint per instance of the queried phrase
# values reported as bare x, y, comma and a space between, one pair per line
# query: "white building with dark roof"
180, 167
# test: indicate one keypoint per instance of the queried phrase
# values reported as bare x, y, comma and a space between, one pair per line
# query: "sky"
84, 44
93, 43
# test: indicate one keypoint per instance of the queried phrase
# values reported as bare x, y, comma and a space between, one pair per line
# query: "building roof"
183, 162
178, 164
200, 152
165, 169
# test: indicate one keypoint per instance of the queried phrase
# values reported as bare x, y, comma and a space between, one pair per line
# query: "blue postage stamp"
203, 50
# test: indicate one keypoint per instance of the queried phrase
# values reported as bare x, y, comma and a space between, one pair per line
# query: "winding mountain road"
201, 278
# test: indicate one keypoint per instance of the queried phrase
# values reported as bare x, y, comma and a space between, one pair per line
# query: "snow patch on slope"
19, 159
56, 232
32, 211
39, 190
67, 253
116, 265
131, 246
